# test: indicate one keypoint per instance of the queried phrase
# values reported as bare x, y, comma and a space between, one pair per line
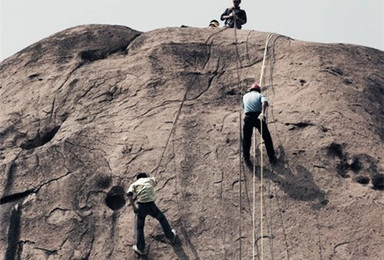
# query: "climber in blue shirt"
255, 108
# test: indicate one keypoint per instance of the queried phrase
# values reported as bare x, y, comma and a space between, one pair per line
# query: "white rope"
254, 167
261, 163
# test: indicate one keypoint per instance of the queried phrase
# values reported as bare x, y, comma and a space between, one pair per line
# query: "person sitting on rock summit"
255, 108
143, 190
234, 16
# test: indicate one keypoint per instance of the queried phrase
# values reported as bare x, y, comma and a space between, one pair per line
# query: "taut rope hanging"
269, 37
240, 170
261, 157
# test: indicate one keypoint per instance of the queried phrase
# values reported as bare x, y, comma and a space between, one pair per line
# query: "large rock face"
84, 110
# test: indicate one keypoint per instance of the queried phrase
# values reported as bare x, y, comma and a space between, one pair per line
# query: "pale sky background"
24, 22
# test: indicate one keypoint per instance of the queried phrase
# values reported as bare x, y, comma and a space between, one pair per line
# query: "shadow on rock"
179, 251
178, 244
297, 183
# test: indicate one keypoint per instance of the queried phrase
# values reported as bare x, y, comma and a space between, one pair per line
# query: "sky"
24, 22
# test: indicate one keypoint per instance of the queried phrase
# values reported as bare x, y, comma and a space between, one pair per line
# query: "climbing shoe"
173, 240
138, 251
273, 160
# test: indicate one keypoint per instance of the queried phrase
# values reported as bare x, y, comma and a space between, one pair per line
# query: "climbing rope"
240, 177
240, 164
173, 128
240, 170
268, 55
172, 131
276, 133
178, 113
254, 166
262, 156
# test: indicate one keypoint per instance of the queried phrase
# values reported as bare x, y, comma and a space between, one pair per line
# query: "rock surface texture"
82, 111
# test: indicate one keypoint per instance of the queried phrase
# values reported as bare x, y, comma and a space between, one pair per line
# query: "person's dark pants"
251, 121
145, 209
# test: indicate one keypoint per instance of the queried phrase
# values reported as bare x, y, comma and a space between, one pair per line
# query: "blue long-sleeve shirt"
252, 101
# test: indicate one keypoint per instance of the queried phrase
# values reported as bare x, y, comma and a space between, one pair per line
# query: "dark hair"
254, 89
141, 175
